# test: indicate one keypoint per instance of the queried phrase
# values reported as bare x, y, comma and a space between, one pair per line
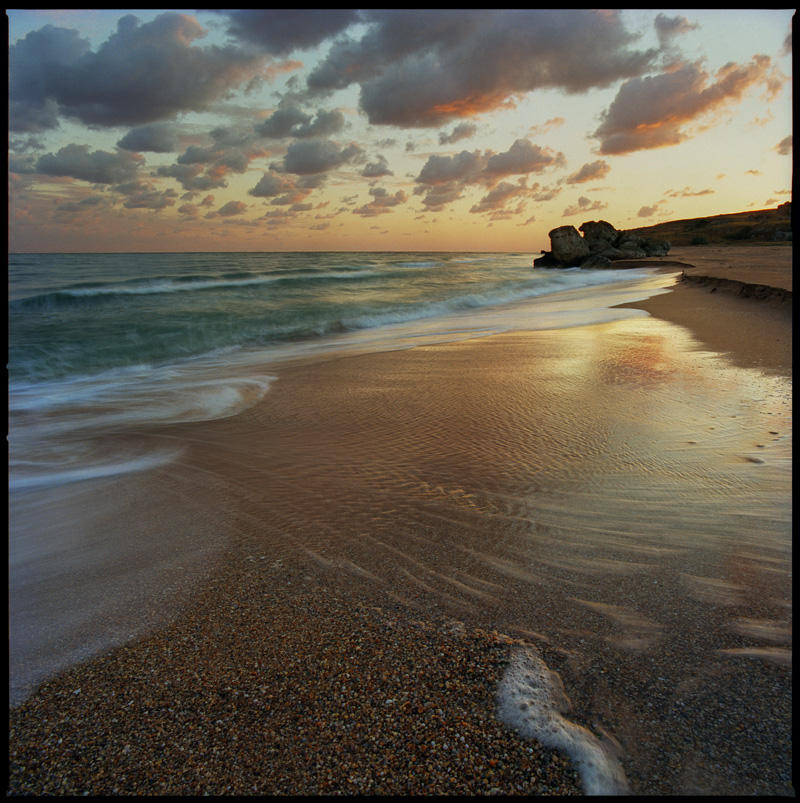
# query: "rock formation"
600, 246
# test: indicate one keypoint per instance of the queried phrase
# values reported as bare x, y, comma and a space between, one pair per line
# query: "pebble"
292, 692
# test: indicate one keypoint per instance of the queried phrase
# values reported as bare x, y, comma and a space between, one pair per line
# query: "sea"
98, 341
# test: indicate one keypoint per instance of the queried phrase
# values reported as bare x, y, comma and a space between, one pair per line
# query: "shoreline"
749, 317
355, 627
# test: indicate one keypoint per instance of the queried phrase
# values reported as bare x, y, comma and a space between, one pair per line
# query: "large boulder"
631, 246
546, 260
568, 247
599, 235
656, 248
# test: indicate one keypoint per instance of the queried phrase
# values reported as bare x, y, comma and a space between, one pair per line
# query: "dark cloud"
282, 121
142, 195
464, 167
85, 204
443, 178
590, 172
523, 157
272, 184
192, 177
378, 168
583, 206
280, 31
496, 199
461, 131
424, 68
319, 156
143, 73
155, 138
21, 164
381, 203
667, 28
784, 147
291, 121
98, 167
232, 208
206, 167
654, 111
286, 190
189, 210
324, 124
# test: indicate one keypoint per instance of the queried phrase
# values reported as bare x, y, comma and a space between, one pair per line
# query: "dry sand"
395, 522
753, 332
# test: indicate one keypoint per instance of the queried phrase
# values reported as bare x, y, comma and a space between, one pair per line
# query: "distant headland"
598, 244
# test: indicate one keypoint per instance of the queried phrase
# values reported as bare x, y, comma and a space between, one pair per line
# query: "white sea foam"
58, 431
22, 478
161, 286
531, 700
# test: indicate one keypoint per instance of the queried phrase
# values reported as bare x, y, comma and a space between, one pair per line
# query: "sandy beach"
383, 533
752, 334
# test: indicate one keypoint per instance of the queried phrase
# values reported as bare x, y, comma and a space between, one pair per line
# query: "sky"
387, 130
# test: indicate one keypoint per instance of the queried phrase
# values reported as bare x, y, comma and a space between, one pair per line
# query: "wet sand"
390, 529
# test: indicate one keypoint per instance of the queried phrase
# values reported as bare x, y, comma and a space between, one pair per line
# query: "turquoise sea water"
78, 314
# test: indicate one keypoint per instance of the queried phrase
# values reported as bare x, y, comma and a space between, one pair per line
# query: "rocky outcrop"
567, 246
600, 246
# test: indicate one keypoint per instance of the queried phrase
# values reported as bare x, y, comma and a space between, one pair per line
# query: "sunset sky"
406, 130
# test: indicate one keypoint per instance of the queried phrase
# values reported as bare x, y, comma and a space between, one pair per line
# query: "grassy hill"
759, 228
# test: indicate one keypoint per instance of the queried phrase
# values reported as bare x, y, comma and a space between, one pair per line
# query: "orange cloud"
655, 112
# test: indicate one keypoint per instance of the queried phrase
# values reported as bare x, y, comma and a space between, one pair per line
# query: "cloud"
543, 128
784, 147
271, 184
141, 74
648, 211
583, 206
590, 172
378, 168
21, 164
381, 202
687, 192
85, 204
155, 137
280, 31
206, 167
496, 199
667, 28
461, 131
232, 208
190, 178
319, 156
523, 157
324, 124
443, 178
419, 68
98, 167
142, 195
285, 190
291, 121
654, 112
463, 167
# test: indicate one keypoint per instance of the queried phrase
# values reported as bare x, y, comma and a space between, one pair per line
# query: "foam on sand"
531, 700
